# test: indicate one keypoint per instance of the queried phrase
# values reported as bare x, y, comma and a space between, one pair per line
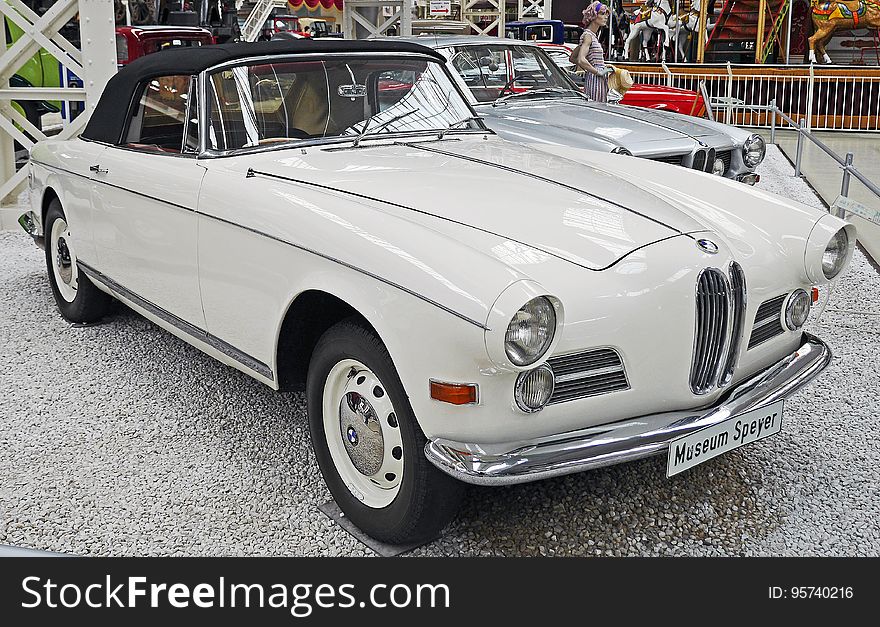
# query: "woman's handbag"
573, 57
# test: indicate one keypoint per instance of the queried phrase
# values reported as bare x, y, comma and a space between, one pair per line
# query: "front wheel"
77, 297
368, 444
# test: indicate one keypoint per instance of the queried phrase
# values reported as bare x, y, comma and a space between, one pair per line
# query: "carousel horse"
829, 17
620, 23
652, 16
686, 24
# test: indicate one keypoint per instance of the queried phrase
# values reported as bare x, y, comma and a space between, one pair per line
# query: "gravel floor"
122, 440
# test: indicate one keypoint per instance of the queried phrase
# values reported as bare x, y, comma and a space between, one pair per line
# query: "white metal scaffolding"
93, 65
397, 17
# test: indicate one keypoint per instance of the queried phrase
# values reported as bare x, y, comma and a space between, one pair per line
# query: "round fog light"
534, 389
797, 309
718, 167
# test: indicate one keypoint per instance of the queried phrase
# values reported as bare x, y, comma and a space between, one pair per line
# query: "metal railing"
774, 113
828, 99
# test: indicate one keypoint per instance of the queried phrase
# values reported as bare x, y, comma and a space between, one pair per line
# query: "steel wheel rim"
63, 260
362, 433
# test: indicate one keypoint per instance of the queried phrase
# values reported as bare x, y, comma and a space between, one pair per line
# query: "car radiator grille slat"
710, 160
699, 162
673, 159
713, 337
738, 289
725, 156
588, 373
768, 321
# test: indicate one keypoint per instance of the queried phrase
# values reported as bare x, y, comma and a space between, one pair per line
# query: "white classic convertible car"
458, 308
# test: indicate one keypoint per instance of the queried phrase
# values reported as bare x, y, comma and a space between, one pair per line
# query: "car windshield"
263, 103
493, 71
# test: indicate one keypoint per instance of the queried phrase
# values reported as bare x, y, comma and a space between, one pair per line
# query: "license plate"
701, 446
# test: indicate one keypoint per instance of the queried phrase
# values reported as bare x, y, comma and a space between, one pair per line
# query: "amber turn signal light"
814, 295
455, 393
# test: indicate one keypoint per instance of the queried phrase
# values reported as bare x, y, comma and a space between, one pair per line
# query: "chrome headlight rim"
788, 310
523, 378
754, 140
520, 358
840, 242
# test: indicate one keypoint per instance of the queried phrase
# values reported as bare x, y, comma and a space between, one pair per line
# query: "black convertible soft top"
110, 116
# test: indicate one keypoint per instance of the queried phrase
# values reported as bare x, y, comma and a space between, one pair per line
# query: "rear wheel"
77, 297
368, 444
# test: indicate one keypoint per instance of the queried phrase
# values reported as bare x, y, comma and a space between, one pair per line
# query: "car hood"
524, 196
617, 122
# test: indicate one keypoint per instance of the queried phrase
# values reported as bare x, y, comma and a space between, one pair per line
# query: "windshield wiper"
458, 123
360, 136
543, 90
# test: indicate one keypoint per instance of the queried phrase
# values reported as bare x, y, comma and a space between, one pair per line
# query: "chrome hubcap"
361, 434
62, 260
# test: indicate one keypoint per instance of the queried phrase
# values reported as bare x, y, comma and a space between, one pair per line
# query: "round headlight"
530, 332
797, 309
534, 388
754, 150
718, 167
620, 150
835, 254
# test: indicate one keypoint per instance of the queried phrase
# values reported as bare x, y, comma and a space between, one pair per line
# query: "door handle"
98, 169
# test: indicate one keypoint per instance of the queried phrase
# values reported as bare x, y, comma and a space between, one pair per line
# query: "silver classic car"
525, 97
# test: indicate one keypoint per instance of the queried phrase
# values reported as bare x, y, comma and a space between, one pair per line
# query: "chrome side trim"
203, 336
635, 438
288, 243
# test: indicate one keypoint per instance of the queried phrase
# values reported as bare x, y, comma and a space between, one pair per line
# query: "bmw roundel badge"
707, 246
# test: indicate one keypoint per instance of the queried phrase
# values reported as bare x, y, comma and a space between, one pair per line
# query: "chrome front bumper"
626, 440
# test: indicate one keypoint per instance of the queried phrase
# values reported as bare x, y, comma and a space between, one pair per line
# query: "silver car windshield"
494, 71
262, 103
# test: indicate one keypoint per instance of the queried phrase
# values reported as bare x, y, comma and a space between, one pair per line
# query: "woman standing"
590, 57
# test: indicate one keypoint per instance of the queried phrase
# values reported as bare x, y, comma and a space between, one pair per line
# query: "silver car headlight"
530, 332
753, 150
797, 309
834, 257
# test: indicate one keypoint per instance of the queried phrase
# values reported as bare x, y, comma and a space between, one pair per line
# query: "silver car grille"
720, 314
704, 159
587, 373
768, 321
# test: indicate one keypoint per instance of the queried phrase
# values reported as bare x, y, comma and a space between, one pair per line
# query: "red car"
136, 41
643, 95
667, 98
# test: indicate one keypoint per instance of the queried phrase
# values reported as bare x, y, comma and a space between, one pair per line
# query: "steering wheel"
516, 77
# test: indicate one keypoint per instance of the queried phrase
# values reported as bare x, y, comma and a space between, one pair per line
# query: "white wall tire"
384, 483
63, 257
